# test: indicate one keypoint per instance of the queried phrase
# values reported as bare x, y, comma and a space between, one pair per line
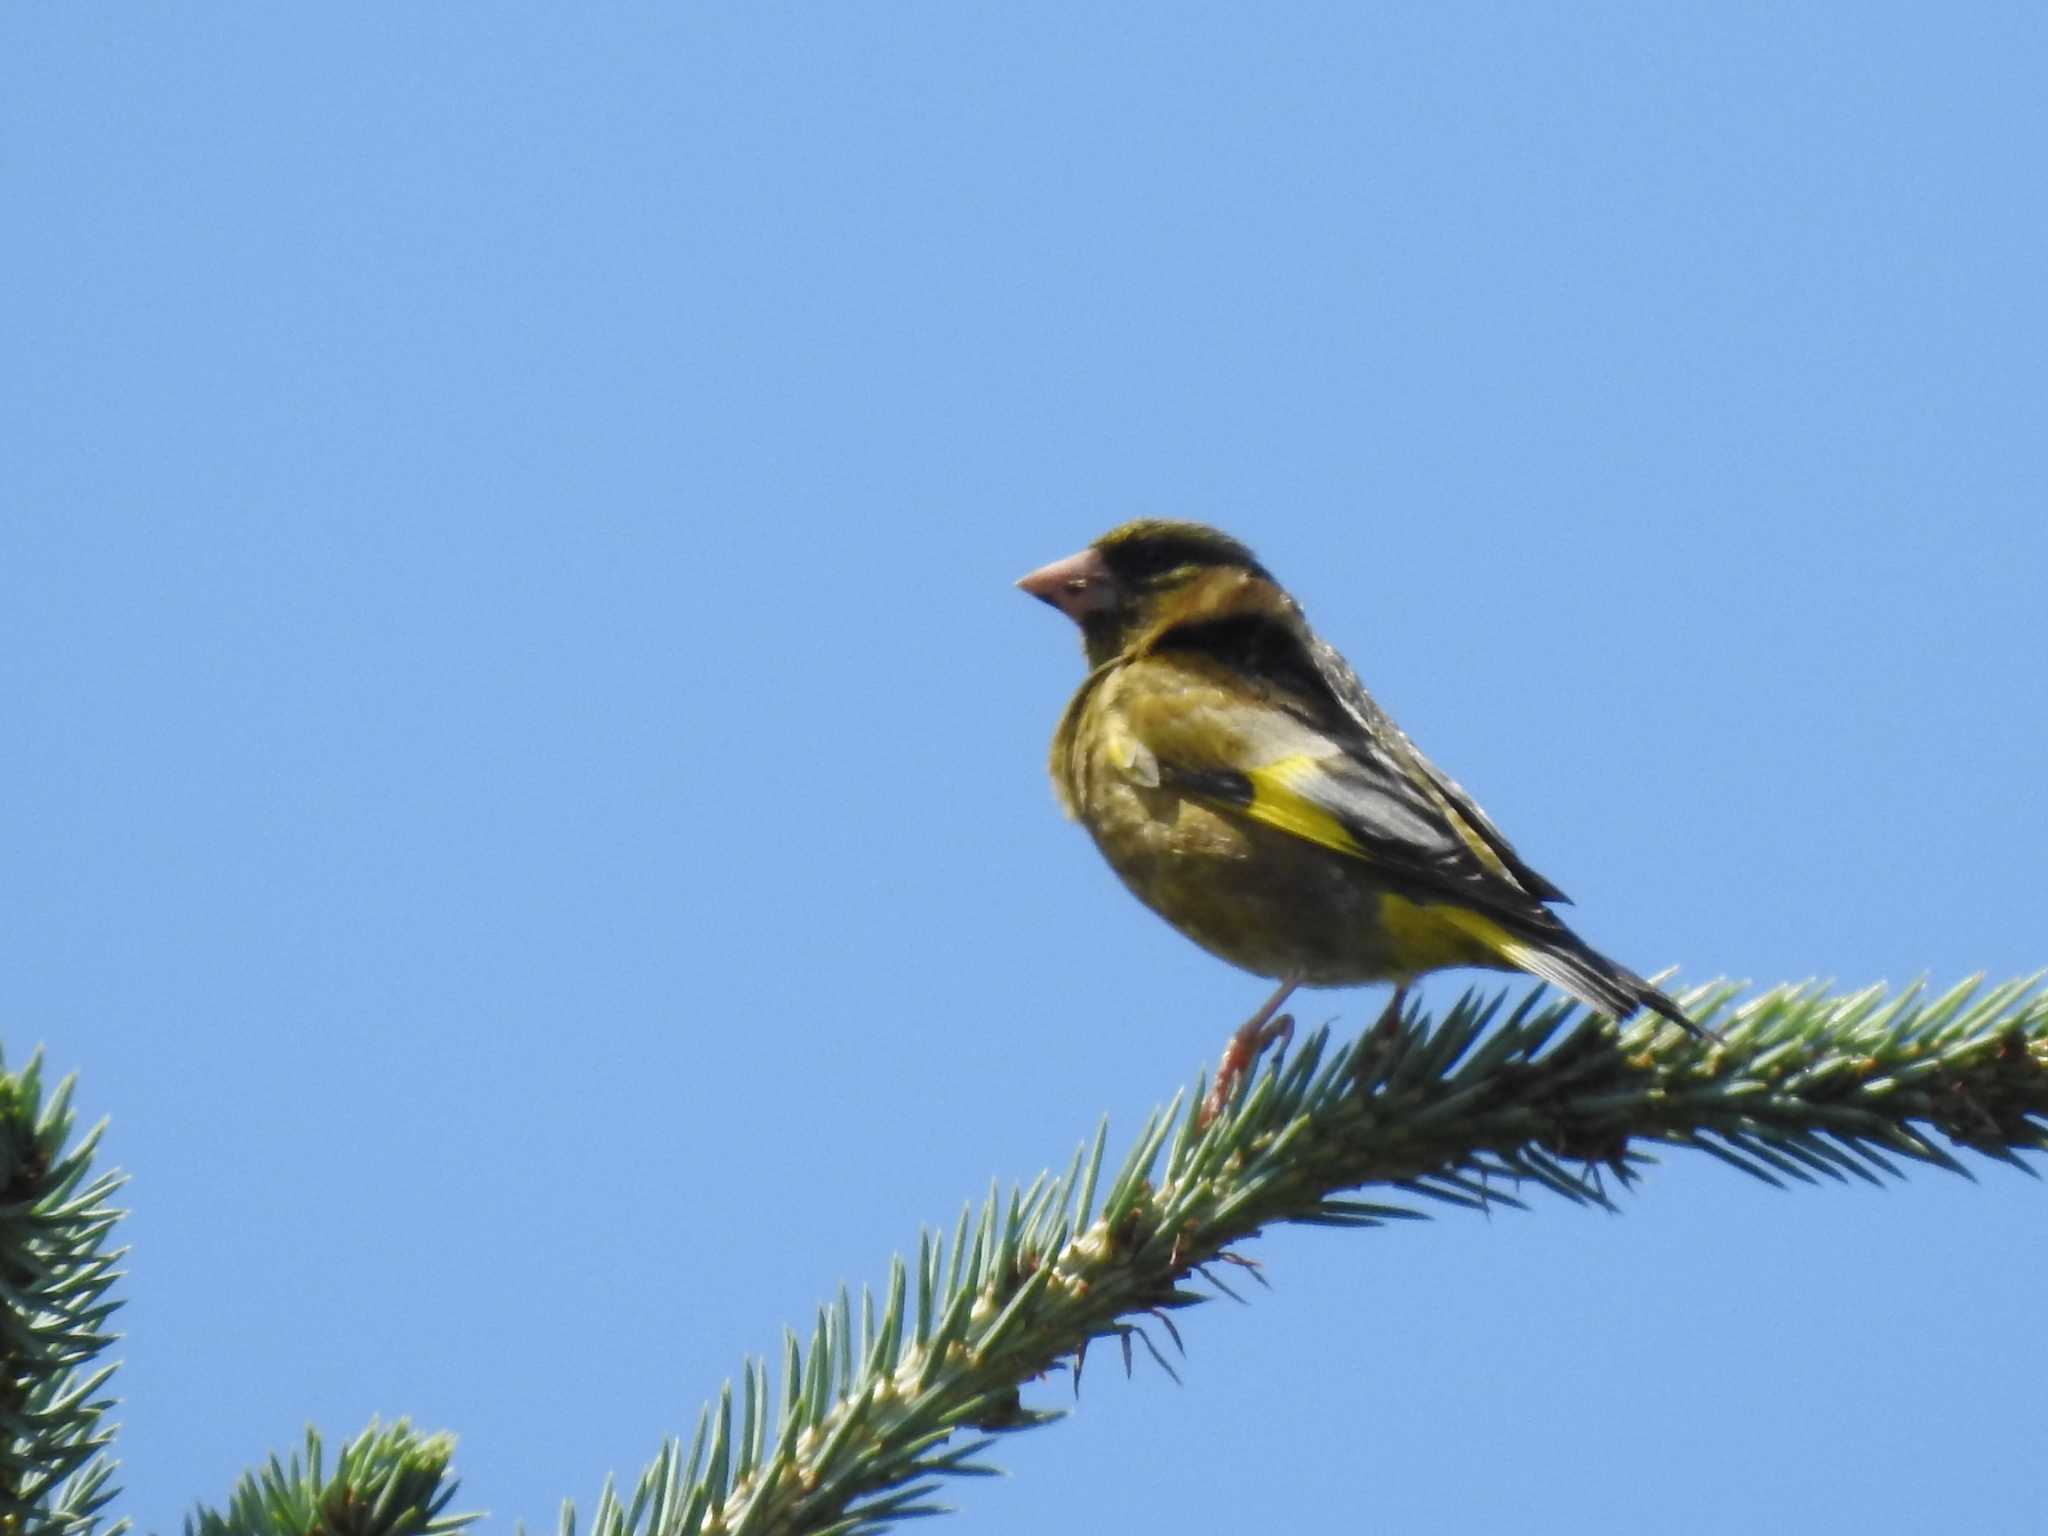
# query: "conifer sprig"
55, 1272
389, 1480
887, 1399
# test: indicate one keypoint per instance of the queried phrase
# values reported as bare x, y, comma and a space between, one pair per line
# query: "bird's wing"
1260, 748
1348, 694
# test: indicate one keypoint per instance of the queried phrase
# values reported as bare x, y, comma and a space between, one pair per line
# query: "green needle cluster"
55, 1271
388, 1481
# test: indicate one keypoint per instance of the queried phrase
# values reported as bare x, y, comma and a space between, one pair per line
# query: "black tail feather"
1572, 965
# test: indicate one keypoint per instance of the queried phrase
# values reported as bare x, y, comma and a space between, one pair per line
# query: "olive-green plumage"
1244, 785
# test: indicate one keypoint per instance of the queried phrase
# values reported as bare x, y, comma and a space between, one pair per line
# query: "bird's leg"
1390, 1019
1244, 1048
1375, 1043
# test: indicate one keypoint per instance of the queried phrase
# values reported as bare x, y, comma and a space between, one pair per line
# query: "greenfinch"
1244, 785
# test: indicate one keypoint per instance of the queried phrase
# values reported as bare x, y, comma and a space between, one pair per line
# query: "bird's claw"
1241, 1054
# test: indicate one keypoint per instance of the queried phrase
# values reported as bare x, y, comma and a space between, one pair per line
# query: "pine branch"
54, 1277
388, 1481
1469, 1111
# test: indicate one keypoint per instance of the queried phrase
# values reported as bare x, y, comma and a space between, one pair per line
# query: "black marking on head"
1255, 645
1142, 552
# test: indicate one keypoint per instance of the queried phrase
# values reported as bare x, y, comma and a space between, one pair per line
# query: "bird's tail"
1592, 978
1569, 963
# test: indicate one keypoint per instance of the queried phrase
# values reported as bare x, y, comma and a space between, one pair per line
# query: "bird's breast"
1261, 899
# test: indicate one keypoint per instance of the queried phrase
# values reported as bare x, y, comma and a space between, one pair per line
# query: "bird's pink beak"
1078, 585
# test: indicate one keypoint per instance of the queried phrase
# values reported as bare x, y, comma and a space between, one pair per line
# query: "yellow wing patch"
1426, 936
1278, 802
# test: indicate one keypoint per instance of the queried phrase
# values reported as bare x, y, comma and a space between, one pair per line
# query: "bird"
1242, 783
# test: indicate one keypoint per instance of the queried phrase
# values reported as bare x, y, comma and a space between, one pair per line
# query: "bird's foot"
1255, 1036
1390, 1017
1379, 1040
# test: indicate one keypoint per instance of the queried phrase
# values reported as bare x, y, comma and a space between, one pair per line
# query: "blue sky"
526, 795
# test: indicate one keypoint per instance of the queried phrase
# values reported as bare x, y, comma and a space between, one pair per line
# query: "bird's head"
1148, 576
